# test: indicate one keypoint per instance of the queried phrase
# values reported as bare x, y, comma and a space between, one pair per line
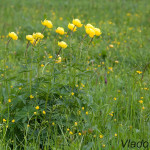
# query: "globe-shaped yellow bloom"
62, 44
72, 27
77, 22
47, 23
90, 32
89, 26
97, 31
13, 35
29, 37
38, 35
60, 31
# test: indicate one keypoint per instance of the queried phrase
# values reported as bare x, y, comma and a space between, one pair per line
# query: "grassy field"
96, 97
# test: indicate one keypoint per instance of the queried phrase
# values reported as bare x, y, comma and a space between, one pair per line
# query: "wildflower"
62, 44
47, 23
82, 108
28, 125
38, 35
116, 134
37, 107
59, 60
90, 32
79, 133
97, 31
68, 129
101, 136
139, 72
115, 120
103, 145
110, 68
13, 35
13, 121
35, 113
60, 31
143, 107
42, 65
86, 113
111, 46
29, 37
44, 112
82, 85
89, 26
72, 27
111, 114
71, 132
4, 120
9, 100
75, 123
50, 57
72, 93
61, 18
142, 97
94, 136
115, 98
20, 88
140, 101
31, 96
116, 61
53, 123
77, 22
77, 85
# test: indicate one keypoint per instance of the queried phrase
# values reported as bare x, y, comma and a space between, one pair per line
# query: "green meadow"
92, 95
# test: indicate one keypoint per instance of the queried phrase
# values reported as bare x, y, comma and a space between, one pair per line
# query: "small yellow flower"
143, 107
42, 65
13, 121
37, 107
115, 134
82, 85
115, 98
50, 57
142, 97
35, 113
62, 44
111, 46
101, 136
38, 35
82, 108
59, 60
20, 88
77, 85
94, 135
115, 120
13, 35
47, 23
53, 123
90, 32
140, 101
72, 93
110, 68
86, 113
61, 18
139, 72
68, 129
72, 27
103, 145
116, 61
71, 132
31, 96
77, 22
79, 133
89, 26
44, 112
11, 86
60, 31
75, 123
97, 31
9, 100
28, 125
2, 75
4, 120
29, 37
111, 114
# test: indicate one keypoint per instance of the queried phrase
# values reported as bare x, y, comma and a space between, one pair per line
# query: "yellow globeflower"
60, 31
13, 121
97, 31
90, 32
44, 112
13, 35
29, 37
4, 120
47, 23
77, 22
62, 44
38, 35
72, 27
89, 26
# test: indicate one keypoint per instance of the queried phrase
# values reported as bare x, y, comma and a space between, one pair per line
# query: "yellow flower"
31, 96
38, 35
79, 133
71, 132
115, 134
82, 85
34, 113
50, 56
13, 121
116, 61
142, 97
61, 18
68, 129
4, 120
72, 93
101, 136
9, 100
20, 88
97, 31
29, 37
72, 27
115, 98
89, 26
103, 145
42, 65
139, 72
143, 107
111, 46
77, 22
75, 123
44, 112
86, 113
59, 60
90, 32
140, 101
37, 107
28, 125
82, 108
53, 123
60, 31
115, 120
62, 44
47, 23
13, 35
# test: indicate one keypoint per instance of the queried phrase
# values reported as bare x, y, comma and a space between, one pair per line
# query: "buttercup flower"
72, 27
62, 44
89, 26
59, 60
77, 22
29, 37
90, 32
47, 23
97, 31
60, 31
37, 107
38, 35
13, 35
